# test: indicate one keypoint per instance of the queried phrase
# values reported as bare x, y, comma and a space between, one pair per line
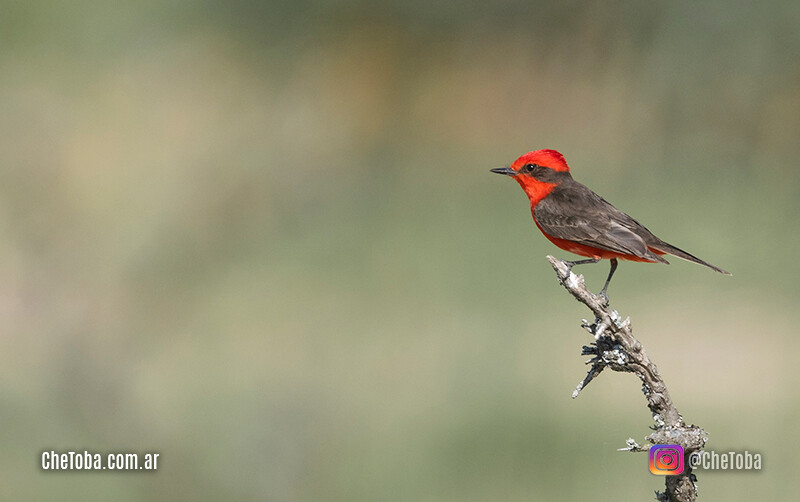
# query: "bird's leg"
608, 280
571, 264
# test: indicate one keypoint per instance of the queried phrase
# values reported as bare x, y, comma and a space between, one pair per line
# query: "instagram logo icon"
666, 459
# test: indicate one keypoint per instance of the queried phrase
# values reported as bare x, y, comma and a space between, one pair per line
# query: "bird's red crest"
546, 158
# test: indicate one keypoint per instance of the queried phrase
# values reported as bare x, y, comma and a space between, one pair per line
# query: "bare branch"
616, 348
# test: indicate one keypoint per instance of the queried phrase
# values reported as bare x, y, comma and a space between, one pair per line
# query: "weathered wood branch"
616, 348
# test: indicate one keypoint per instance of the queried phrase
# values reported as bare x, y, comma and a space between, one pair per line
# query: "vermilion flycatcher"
578, 220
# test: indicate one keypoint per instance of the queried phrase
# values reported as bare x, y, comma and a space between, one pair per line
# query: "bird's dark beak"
504, 170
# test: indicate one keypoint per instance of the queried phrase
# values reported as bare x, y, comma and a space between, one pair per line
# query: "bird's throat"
535, 190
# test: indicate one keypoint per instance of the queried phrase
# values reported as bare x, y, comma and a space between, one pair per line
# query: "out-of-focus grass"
263, 241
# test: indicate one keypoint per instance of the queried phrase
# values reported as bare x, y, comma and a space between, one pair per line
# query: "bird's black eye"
528, 168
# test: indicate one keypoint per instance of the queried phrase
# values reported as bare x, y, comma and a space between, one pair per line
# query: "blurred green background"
261, 238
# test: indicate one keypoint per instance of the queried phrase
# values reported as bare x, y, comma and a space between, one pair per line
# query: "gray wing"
573, 212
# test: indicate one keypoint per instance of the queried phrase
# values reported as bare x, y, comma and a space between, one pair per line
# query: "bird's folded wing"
582, 216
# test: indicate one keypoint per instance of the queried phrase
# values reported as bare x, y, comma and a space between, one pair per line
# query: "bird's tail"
663, 247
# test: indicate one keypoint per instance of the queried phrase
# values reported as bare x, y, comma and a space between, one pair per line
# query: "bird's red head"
545, 158
537, 172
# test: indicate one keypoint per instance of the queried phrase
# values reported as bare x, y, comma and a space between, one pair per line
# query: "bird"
577, 220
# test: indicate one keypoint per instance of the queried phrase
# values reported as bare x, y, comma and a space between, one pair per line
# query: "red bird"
578, 220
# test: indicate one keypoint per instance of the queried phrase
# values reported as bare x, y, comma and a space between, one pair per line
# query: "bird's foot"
605, 298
